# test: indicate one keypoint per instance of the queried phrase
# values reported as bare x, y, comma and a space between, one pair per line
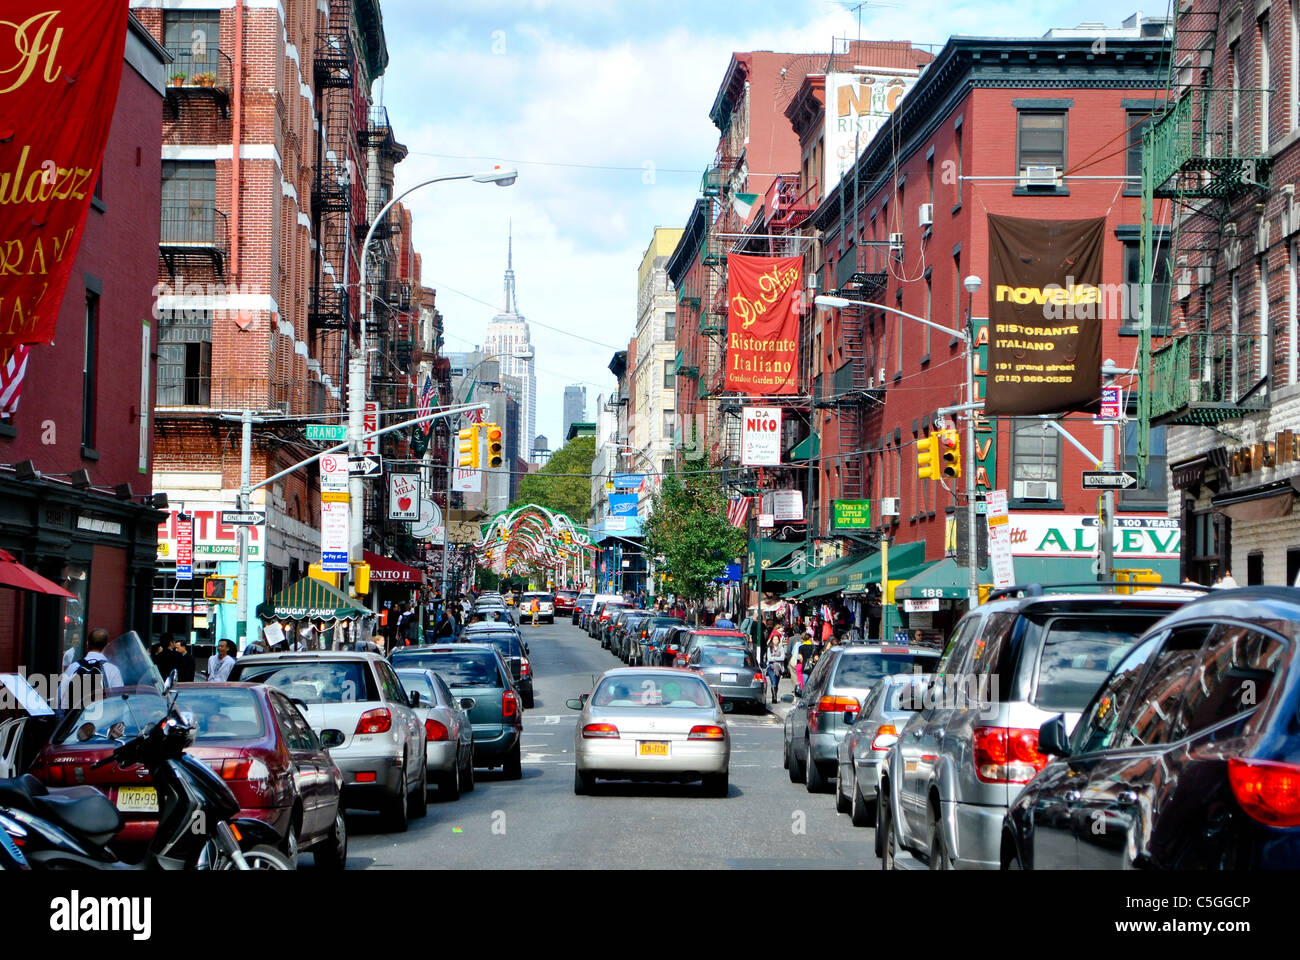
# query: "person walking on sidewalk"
775, 659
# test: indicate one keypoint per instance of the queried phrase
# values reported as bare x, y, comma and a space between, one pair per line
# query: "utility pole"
245, 474
972, 283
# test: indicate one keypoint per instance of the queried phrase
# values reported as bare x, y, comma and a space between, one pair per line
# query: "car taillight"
433, 730
706, 732
837, 704
378, 720
1007, 754
236, 769
524, 667
509, 704
600, 731
51, 774
758, 677
1267, 790
885, 737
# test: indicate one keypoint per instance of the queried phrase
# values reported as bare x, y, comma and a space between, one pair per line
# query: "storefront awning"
14, 574
385, 570
1268, 502
903, 557
809, 448
769, 553
943, 580
830, 578
311, 599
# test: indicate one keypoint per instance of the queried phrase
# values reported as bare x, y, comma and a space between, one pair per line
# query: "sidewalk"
785, 700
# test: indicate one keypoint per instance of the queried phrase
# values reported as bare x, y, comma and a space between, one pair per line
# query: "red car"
565, 601
250, 734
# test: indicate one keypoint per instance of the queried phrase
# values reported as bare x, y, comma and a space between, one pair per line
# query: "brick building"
83, 518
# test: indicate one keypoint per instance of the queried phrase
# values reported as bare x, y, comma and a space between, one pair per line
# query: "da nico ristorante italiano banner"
60, 66
762, 324
1044, 315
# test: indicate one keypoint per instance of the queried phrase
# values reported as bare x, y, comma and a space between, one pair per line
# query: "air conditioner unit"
881, 381
1033, 490
926, 214
895, 242
889, 506
1040, 176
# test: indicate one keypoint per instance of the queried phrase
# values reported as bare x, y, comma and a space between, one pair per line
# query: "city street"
539, 822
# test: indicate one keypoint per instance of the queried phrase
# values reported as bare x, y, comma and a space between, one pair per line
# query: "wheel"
261, 858
420, 804
467, 775
583, 783
332, 852
449, 785
792, 764
289, 847
528, 700
861, 810
396, 813
842, 803
885, 848
513, 767
938, 849
813, 779
717, 784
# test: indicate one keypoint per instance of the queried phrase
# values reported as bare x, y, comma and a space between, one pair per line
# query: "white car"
545, 606
651, 723
449, 735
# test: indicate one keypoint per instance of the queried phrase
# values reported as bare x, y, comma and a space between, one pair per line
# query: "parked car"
545, 606
601, 615
597, 601
565, 601
649, 723
581, 607
1011, 665
513, 650
623, 635
448, 733
251, 736
359, 710
732, 675
862, 752
650, 634
476, 673
1186, 758
715, 636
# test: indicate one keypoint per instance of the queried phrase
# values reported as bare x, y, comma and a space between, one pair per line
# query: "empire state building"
507, 338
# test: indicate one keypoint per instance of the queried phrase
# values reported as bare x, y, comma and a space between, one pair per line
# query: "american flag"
425, 405
738, 511
11, 379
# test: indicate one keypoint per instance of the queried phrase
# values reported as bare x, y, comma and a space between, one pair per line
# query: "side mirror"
467, 703
331, 738
574, 704
415, 698
1052, 739
526, 653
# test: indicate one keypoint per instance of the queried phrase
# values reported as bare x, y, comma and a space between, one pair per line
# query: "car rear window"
469, 668
652, 690
1078, 655
414, 681
340, 681
231, 714
864, 669
507, 643
726, 657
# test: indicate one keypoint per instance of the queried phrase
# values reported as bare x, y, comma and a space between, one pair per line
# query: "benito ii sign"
760, 437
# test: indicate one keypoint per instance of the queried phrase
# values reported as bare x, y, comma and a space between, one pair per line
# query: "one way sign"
1108, 480
367, 466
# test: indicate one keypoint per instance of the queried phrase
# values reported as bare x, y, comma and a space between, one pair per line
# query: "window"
956, 153
929, 178
1265, 327
1292, 299
1235, 675
1234, 84
1156, 495
1255, 568
1041, 139
669, 376
959, 318
1293, 118
1137, 122
1131, 305
1035, 460
1097, 727
1293, 567
90, 349
670, 325
1155, 715
193, 38
1265, 83
184, 358
929, 303
670, 424
189, 197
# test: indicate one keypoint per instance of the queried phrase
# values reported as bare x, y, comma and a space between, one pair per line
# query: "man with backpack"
93, 671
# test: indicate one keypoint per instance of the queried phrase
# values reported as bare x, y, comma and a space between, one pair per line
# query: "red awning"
14, 574
387, 570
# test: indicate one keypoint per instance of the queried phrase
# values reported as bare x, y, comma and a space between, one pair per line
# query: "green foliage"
688, 527
550, 488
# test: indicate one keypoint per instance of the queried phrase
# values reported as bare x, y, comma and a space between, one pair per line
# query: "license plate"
137, 799
653, 748
909, 766
729, 678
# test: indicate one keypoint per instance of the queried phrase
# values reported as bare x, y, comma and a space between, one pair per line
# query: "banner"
60, 66
466, 480
763, 295
760, 437
403, 496
622, 505
857, 106
1044, 315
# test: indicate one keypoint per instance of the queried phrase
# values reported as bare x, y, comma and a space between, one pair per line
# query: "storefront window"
76, 579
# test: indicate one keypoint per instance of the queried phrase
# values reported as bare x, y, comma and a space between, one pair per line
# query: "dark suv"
513, 650
476, 673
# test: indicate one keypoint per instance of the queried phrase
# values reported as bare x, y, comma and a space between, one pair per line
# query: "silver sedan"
449, 735
861, 754
651, 723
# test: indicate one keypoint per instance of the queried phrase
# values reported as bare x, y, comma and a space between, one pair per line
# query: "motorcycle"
69, 828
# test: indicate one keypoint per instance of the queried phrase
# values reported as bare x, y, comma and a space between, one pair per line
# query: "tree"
688, 527
563, 484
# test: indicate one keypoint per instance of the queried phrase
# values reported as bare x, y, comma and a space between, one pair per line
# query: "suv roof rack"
1038, 589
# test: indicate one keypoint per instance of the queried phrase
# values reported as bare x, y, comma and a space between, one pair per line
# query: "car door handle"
1126, 797
1072, 796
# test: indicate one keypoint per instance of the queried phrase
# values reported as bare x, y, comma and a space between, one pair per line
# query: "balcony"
711, 182
333, 60
193, 232
1203, 379
231, 393
1209, 144
787, 206
205, 74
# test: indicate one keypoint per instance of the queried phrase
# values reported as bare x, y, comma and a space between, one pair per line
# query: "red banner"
763, 324
60, 66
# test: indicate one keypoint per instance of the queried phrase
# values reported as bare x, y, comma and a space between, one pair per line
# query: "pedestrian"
1225, 581
796, 660
775, 659
222, 662
87, 678
184, 661
534, 608
167, 659
443, 629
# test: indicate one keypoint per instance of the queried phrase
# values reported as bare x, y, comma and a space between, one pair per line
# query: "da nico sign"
760, 437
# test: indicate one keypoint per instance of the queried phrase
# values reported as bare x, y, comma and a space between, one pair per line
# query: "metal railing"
193, 224
200, 61
1203, 368
1214, 135
239, 393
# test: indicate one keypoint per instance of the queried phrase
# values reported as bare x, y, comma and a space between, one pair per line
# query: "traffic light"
214, 588
927, 457
360, 578
950, 453
467, 447
493, 445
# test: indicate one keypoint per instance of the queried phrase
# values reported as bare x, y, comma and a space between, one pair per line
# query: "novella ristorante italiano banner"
60, 66
1044, 315
763, 324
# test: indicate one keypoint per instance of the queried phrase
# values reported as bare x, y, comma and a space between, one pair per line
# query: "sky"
603, 107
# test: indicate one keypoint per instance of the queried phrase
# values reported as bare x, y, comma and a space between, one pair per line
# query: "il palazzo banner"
60, 66
763, 324
1044, 315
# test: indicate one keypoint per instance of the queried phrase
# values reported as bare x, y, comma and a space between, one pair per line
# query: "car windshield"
726, 657
507, 643
724, 639
652, 690
1078, 655
416, 681
230, 713
112, 718
864, 669
467, 668
339, 681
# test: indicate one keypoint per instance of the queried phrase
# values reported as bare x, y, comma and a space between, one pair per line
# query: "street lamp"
358, 366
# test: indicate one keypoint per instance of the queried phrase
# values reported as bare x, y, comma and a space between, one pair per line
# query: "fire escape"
1206, 153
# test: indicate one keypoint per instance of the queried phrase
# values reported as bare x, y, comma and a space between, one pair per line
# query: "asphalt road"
765, 822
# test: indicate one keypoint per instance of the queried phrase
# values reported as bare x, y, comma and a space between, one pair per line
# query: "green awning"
902, 557
943, 580
311, 599
831, 577
809, 448
770, 553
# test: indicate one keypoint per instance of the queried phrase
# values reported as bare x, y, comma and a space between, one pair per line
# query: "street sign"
334, 534
1110, 404
185, 549
248, 518
1108, 480
336, 432
371, 465
334, 473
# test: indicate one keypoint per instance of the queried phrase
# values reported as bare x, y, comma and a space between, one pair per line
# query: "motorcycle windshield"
131, 659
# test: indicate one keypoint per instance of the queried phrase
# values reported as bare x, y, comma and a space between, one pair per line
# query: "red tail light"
600, 731
885, 730
53, 775
1267, 790
378, 720
235, 769
433, 730
706, 732
509, 705
524, 667
758, 678
1007, 754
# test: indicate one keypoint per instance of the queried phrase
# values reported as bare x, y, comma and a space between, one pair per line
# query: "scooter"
69, 828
